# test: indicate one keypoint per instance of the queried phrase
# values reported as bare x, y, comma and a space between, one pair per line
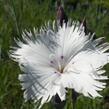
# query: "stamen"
51, 62
62, 57
62, 69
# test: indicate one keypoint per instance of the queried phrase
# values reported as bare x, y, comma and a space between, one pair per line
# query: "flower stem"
74, 98
58, 104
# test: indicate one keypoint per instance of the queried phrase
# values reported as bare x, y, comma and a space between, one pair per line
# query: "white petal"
87, 59
71, 40
39, 80
41, 84
83, 73
82, 83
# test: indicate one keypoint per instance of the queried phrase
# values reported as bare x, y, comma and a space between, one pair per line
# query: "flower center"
61, 67
58, 64
61, 70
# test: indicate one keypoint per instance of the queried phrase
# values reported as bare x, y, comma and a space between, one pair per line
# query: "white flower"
53, 61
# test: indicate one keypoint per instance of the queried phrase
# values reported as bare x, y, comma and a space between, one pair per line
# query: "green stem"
74, 98
58, 104
74, 104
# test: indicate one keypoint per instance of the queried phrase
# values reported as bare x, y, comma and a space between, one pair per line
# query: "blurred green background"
18, 15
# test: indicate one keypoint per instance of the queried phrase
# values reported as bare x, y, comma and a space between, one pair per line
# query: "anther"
62, 57
51, 62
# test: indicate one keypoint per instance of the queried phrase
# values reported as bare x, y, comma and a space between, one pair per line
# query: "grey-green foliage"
17, 15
